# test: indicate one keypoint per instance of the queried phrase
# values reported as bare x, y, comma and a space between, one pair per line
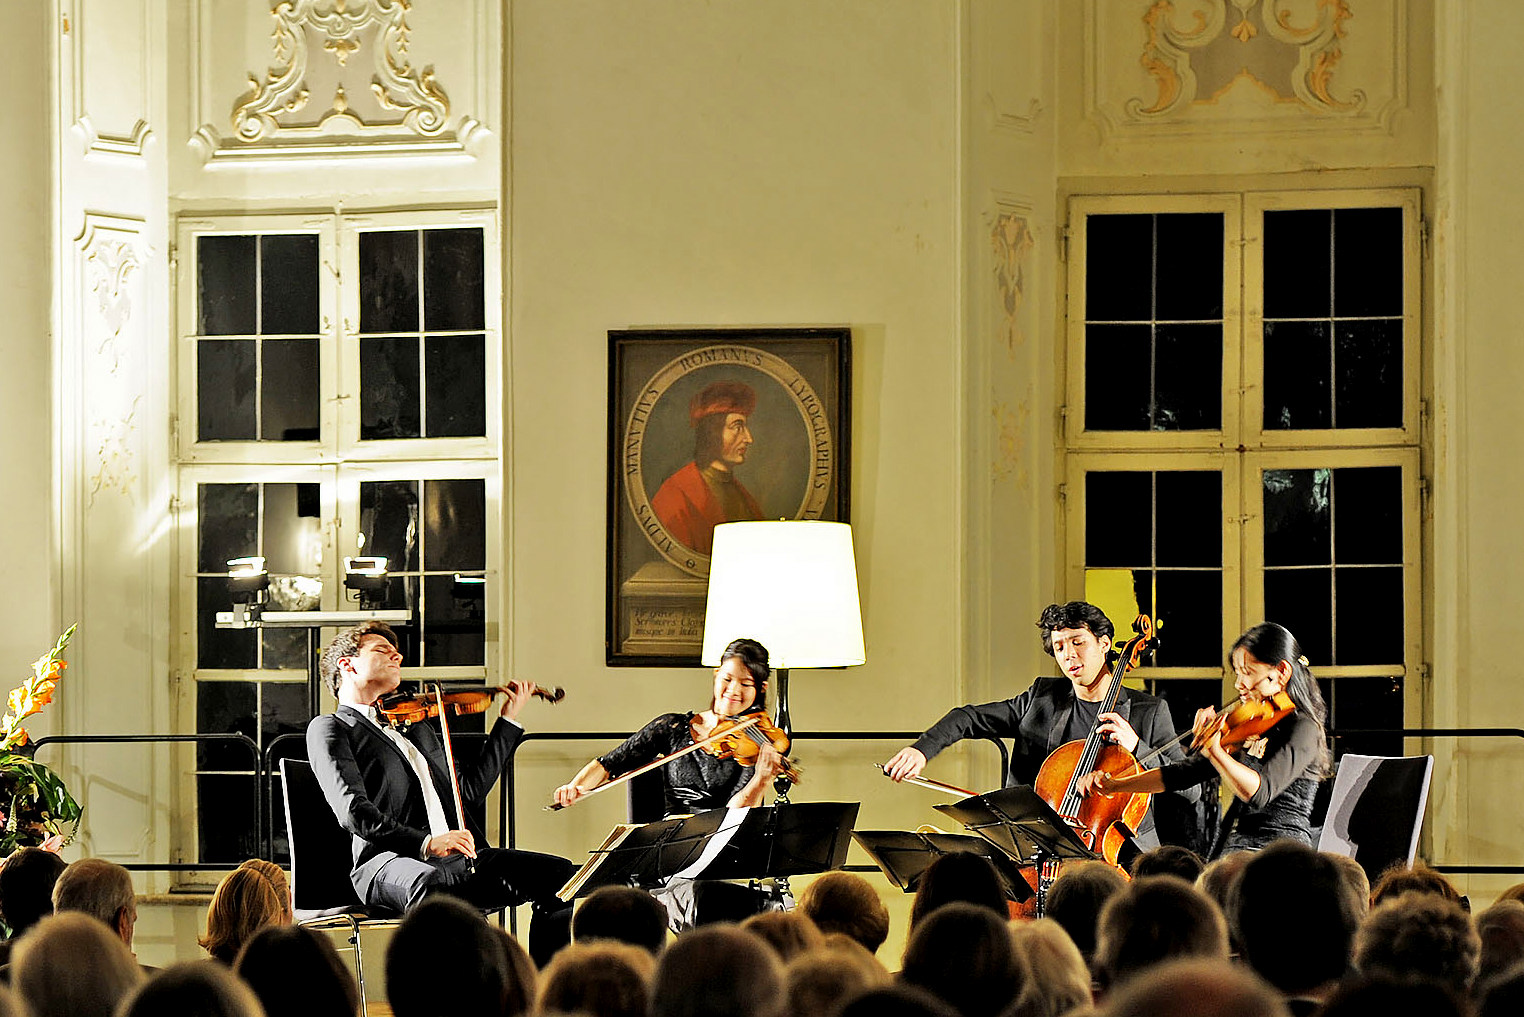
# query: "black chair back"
1376, 811
321, 852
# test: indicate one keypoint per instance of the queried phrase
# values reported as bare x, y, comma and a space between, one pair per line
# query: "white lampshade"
790, 585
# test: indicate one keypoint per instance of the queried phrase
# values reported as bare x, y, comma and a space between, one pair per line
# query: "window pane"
454, 629
225, 818
282, 709
455, 379
223, 707
1188, 607
1365, 704
1119, 267
1297, 359
455, 531
453, 280
293, 529
1117, 375
1298, 517
1189, 267
389, 522
1368, 503
225, 276
1118, 519
225, 390
1368, 373
1297, 271
1367, 262
389, 393
288, 273
1368, 602
219, 648
1189, 524
1187, 378
290, 396
389, 281
227, 524
1302, 601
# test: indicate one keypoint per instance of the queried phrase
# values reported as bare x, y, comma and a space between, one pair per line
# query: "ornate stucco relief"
108, 369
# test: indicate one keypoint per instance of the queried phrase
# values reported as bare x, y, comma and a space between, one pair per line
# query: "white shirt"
438, 822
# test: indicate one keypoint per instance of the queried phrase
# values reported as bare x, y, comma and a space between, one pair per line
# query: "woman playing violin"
1274, 777
697, 781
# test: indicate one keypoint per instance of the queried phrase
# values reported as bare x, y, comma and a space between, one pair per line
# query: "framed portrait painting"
709, 426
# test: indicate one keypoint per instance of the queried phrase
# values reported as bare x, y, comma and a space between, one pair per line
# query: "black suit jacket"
375, 794
1037, 719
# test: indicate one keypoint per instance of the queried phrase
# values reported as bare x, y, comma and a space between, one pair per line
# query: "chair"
321, 893
1376, 810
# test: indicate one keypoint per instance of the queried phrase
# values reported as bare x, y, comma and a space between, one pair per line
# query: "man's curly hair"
347, 644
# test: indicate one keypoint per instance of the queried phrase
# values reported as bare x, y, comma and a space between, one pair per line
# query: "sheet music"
613, 840
717, 843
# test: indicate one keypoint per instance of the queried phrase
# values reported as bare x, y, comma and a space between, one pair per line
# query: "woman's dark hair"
1270, 644
296, 970
26, 887
1074, 615
754, 655
958, 877
964, 954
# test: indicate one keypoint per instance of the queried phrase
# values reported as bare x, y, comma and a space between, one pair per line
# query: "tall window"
339, 379
1242, 433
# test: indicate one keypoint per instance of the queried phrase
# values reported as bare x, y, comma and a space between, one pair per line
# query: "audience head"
1200, 987
102, 890
703, 971
958, 876
1154, 919
1293, 917
789, 933
1356, 882
846, 902
1501, 931
1419, 935
277, 879
601, 979
896, 1001
1077, 897
1169, 860
295, 970
963, 954
1400, 879
243, 903
10, 1004
193, 989
1390, 996
622, 913
1514, 892
26, 887
72, 965
445, 934
1057, 979
1502, 995
821, 981
1216, 880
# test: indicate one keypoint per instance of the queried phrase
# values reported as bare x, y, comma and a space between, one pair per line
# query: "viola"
1250, 718
402, 710
741, 738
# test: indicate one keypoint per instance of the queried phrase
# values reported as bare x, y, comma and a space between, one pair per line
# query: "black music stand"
769, 842
904, 856
1024, 827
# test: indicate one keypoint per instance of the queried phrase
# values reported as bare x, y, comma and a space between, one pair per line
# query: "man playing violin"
1053, 711
391, 791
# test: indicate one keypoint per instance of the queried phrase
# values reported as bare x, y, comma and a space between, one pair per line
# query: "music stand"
1024, 827
766, 842
904, 856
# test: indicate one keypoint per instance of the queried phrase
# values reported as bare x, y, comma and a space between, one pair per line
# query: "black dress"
1288, 771
696, 782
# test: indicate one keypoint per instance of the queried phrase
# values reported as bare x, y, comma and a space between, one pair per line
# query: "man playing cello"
1054, 710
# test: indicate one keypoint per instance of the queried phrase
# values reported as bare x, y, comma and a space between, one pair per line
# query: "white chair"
1376, 810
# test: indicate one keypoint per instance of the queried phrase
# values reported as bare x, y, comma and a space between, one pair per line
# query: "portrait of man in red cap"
705, 492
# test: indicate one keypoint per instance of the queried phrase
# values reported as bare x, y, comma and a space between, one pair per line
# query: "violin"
402, 709
741, 738
1250, 718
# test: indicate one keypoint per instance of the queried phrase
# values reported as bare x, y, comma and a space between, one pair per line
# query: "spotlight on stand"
247, 583
468, 593
366, 576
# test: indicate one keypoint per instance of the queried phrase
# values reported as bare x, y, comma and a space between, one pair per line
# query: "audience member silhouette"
203, 988
1077, 897
962, 953
622, 913
1199, 987
295, 970
960, 876
1501, 931
243, 903
707, 971
846, 902
447, 936
1057, 979
1155, 919
72, 965
26, 891
600, 979
1419, 935
789, 933
1169, 860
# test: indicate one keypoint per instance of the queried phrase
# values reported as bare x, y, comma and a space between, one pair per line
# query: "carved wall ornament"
1199, 49
305, 30
115, 459
111, 262
1012, 240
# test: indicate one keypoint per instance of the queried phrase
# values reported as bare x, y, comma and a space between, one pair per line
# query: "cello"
1105, 824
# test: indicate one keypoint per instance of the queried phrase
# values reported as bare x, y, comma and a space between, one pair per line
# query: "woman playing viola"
698, 781
1274, 777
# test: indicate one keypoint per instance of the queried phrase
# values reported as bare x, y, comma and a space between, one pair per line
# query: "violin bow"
929, 783
444, 729
662, 760
1177, 740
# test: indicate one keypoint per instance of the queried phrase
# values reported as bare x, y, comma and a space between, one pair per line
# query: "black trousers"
499, 878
